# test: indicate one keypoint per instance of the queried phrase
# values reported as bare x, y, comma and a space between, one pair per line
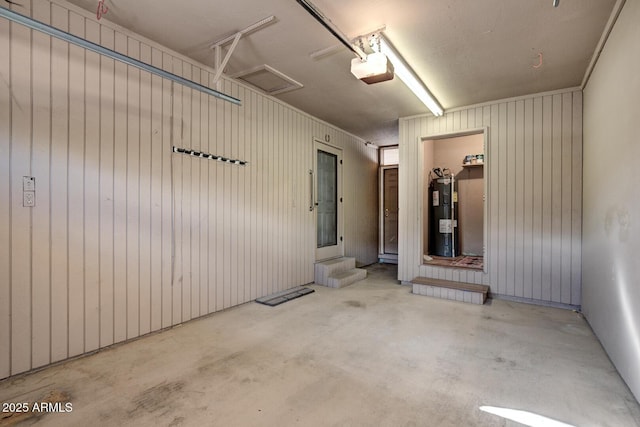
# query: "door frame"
334, 251
381, 254
484, 130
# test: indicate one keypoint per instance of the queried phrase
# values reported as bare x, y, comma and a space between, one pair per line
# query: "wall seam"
31, 174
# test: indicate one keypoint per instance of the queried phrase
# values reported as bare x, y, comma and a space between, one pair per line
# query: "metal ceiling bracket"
251, 28
234, 39
62, 35
331, 49
221, 65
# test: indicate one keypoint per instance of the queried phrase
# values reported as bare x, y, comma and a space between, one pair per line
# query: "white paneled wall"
534, 172
126, 237
611, 204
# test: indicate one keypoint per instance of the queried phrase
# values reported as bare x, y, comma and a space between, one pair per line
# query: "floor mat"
284, 296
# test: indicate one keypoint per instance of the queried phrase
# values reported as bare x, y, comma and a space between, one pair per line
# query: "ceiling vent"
268, 79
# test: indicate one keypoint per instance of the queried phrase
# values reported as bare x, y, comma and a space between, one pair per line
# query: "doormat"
284, 296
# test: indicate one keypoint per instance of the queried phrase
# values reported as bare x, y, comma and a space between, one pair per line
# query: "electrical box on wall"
28, 191
28, 183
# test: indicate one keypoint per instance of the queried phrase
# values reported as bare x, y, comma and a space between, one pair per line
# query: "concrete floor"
369, 354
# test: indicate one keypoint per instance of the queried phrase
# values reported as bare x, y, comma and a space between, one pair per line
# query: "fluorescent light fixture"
404, 72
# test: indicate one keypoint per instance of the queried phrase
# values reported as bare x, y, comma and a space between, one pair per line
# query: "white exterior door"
328, 201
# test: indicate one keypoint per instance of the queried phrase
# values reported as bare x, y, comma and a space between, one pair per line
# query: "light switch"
28, 183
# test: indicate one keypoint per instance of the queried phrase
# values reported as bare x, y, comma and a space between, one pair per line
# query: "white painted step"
324, 269
346, 278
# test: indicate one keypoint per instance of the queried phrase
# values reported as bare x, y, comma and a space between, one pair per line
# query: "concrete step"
346, 278
446, 289
324, 269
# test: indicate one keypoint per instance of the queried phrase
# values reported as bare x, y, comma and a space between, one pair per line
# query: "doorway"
328, 201
388, 186
389, 214
454, 201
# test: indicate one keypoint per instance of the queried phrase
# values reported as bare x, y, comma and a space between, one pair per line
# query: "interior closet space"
453, 201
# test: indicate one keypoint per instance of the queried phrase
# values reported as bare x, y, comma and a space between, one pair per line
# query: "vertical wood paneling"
204, 202
269, 235
157, 149
219, 203
20, 155
167, 219
146, 177
225, 201
91, 195
41, 98
519, 217
59, 188
252, 108
5, 202
566, 199
106, 194
76, 207
137, 238
528, 204
255, 147
547, 188
193, 123
533, 195
493, 196
198, 187
509, 199
232, 198
211, 207
576, 202
556, 200
133, 191
157, 173
538, 173
178, 198
120, 194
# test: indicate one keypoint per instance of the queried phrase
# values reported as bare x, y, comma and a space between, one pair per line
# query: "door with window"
390, 212
388, 185
328, 201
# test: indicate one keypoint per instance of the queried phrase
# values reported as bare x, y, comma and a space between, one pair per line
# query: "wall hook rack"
202, 155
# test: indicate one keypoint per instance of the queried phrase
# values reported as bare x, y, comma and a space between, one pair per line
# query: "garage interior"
165, 165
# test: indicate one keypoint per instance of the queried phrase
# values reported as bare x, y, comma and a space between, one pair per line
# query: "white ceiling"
466, 51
